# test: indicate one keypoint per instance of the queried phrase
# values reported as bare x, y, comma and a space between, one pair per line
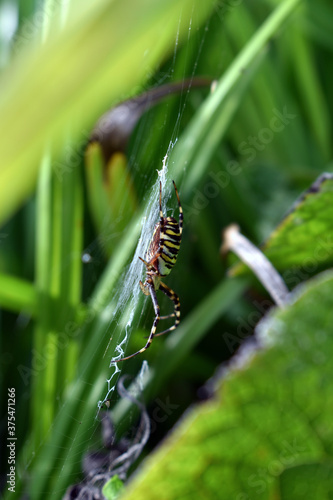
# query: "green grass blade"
18, 295
43, 266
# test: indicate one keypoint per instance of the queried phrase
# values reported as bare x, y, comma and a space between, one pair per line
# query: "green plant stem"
43, 252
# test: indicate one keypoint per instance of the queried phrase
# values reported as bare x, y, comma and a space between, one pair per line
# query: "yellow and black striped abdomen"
170, 239
165, 242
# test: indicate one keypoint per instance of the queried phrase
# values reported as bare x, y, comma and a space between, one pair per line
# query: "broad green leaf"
305, 235
304, 238
269, 420
59, 214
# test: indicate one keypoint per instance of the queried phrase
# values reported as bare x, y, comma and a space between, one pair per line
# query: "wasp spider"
161, 257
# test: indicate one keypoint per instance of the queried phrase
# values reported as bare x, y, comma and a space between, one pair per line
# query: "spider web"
129, 293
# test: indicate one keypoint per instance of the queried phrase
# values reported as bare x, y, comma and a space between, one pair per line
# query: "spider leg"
172, 315
175, 299
181, 217
144, 261
161, 213
153, 329
162, 235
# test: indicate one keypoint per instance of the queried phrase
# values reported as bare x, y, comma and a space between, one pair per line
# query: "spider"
161, 257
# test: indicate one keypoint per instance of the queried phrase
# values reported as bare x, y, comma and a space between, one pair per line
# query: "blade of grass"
18, 295
72, 269
48, 374
310, 88
319, 23
42, 264
58, 284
